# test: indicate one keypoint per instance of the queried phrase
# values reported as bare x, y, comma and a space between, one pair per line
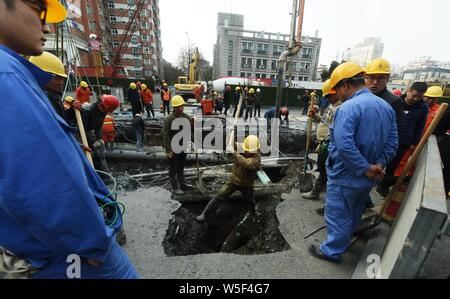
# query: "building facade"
428, 70
252, 54
119, 38
364, 53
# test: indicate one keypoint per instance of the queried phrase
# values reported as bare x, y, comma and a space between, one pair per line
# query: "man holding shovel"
364, 139
323, 138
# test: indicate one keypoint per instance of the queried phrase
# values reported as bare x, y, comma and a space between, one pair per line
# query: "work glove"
98, 144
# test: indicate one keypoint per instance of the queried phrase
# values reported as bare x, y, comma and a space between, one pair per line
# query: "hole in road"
186, 236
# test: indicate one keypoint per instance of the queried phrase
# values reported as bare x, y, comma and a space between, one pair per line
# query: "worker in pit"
323, 138
83, 93
166, 96
363, 140
247, 162
49, 213
176, 157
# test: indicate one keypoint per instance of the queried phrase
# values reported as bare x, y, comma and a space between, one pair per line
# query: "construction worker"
443, 133
250, 103
83, 93
377, 77
109, 132
305, 102
166, 96
48, 210
93, 116
236, 98
363, 140
139, 128
323, 138
243, 175
412, 124
135, 99
431, 97
176, 158
284, 116
258, 103
147, 99
53, 65
218, 103
227, 98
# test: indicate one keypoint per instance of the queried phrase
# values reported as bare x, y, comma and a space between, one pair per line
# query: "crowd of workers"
49, 205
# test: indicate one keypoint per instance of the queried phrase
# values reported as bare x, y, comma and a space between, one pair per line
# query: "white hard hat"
258, 90
138, 115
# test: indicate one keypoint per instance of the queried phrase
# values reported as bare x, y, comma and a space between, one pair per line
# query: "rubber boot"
315, 193
183, 185
175, 188
211, 203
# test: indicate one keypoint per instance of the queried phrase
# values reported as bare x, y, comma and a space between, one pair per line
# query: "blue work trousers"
343, 210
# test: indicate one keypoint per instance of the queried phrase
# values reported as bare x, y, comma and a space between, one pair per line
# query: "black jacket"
55, 100
93, 121
135, 100
412, 123
395, 102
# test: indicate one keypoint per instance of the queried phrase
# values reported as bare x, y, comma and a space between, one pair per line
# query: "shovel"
305, 178
83, 135
200, 185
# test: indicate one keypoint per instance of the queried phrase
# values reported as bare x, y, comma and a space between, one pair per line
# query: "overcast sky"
407, 28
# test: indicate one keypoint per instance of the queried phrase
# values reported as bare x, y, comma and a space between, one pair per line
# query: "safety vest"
108, 124
165, 95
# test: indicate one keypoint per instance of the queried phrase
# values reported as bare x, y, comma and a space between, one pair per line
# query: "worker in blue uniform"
364, 139
49, 193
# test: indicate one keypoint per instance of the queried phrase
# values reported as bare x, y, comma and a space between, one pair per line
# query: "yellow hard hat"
345, 71
251, 144
55, 11
49, 63
379, 66
83, 84
143, 86
133, 85
177, 101
238, 88
251, 91
434, 92
69, 99
326, 89
165, 84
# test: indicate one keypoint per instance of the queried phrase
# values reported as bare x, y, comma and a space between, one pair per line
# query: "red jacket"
83, 95
147, 96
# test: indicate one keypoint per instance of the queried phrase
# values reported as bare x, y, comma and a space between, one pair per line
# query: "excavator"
188, 87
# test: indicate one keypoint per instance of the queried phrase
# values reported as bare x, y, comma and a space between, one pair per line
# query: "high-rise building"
364, 53
254, 54
426, 69
120, 38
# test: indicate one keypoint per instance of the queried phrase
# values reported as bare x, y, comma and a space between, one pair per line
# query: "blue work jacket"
364, 133
48, 189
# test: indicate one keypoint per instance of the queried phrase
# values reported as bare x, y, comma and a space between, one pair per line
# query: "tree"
204, 68
171, 73
326, 73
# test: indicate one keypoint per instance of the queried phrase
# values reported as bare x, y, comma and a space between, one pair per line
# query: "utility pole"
298, 9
